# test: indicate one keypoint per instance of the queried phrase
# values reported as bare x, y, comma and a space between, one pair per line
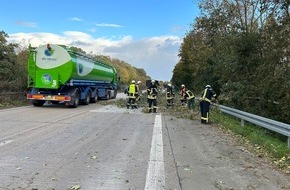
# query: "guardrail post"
288, 142
242, 122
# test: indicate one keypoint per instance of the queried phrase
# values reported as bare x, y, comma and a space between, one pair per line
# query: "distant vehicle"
57, 73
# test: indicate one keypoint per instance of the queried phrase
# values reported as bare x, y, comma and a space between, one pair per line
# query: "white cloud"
109, 25
76, 19
26, 24
156, 55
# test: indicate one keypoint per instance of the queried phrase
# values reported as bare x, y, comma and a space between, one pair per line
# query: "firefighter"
183, 93
169, 95
206, 98
190, 98
132, 91
152, 96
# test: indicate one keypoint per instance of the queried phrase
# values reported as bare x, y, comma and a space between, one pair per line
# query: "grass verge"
264, 142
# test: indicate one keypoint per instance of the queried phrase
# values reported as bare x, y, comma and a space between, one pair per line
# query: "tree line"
242, 49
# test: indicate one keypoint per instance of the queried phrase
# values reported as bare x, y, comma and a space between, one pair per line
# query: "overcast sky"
144, 33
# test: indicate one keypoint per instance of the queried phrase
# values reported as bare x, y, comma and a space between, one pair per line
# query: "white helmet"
139, 82
133, 82
207, 86
152, 80
182, 85
169, 84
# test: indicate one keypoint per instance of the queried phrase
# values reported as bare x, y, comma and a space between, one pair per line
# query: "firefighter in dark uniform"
206, 98
132, 92
152, 96
169, 95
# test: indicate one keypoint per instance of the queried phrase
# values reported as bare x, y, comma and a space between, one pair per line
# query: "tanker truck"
57, 73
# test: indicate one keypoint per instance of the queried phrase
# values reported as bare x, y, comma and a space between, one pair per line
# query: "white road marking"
155, 173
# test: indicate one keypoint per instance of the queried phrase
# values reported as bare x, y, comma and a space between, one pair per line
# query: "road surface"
106, 147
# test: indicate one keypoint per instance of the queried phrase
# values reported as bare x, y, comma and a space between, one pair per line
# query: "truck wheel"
115, 94
86, 101
94, 99
75, 99
38, 103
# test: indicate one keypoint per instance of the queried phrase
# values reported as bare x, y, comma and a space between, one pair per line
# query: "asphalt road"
105, 147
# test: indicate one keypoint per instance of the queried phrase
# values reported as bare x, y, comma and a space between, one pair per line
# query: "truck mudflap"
60, 98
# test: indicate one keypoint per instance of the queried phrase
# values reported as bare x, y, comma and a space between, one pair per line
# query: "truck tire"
86, 101
115, 94
75, 99
94, 99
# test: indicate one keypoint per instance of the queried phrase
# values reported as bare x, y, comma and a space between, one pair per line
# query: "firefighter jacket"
207, 94
152, 92
189, 95
132, 91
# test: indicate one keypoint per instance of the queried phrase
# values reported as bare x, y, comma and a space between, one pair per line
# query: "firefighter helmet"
139, 82
207, 86
133, 82
152, 80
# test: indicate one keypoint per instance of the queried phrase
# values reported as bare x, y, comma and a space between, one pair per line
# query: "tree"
8, 61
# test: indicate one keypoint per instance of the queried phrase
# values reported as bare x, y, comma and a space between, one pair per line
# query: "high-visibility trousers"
154, 103
204, 111
131, 102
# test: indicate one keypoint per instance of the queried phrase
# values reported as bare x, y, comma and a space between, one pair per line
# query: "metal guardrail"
279, 127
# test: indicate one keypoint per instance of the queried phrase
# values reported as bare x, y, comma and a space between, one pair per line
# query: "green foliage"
263, 141
7, 58
12, 71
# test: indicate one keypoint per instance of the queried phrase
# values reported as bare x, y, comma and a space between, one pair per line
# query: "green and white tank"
50, 66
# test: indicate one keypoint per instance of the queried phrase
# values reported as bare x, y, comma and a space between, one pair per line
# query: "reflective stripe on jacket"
189, 94
208, 93
152, 92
